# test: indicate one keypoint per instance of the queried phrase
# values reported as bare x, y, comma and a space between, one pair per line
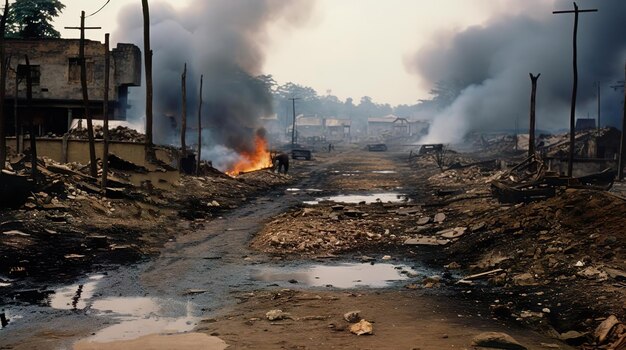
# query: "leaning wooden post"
3, 78
29, 103
18, 124
149, 89
199, 129
105, 114
622, 149
93, 166
531, 132
83, 83
183, 118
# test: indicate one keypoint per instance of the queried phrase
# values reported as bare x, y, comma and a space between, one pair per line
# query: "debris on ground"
497, 340
362, 328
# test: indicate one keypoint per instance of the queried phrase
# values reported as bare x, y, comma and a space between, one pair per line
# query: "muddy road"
208, 288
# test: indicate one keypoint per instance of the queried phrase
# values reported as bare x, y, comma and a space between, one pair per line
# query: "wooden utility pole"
622, 148
105, 114
183, 118
199, 129
29, 108
18, 124
598, 86
93, 166
293, 126
572, 121
148, 63
3, 78
531, 132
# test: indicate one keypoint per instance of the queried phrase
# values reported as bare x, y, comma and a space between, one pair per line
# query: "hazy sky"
352, 47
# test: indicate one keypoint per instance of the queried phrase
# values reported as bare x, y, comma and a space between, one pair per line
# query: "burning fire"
256, 160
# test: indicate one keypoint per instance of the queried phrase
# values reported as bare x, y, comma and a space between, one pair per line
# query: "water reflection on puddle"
384, 197
384, 171
135, 316
142, 316
339, 276
303, 190
74, 297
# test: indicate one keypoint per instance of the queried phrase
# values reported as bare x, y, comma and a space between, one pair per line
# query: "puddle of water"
384, 171
394, 197
293, 190
132, 329
3, 284
74, 297
142, 316
127, 306
339, 276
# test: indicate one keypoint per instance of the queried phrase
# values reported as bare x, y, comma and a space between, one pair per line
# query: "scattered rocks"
497, 340
362, 328
439, 218
423, 220
524, 279
277, 315
352, 316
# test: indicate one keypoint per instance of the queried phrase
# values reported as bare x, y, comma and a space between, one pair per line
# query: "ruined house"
394, 126
57, 93
337, 129
309, 127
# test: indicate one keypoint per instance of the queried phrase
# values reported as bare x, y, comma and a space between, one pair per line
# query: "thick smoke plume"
490, 63
225, 41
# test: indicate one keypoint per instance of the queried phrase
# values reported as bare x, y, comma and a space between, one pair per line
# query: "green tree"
32, 19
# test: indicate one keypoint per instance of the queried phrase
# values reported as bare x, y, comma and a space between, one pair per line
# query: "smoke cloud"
224, 40
490, 63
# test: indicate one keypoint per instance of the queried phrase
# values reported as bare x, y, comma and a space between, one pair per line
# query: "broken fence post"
3, 319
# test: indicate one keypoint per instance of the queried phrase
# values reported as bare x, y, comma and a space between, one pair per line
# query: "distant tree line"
311, 103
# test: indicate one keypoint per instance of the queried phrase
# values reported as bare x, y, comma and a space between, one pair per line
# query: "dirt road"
210, 285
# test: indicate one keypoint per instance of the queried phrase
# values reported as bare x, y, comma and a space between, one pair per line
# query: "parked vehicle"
378, 147
301, 153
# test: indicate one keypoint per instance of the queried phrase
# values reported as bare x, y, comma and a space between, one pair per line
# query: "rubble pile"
330, 228
66, 222
473, 175
263, 177
119, 133
548, 259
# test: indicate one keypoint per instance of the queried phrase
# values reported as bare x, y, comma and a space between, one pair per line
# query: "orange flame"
256, 160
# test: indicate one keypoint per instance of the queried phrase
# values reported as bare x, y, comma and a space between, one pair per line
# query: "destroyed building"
394, 126
55, 71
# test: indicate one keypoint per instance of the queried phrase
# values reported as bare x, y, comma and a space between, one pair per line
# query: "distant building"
381, 126
585, 124
393, 126
309, 127
55, 71
337, 129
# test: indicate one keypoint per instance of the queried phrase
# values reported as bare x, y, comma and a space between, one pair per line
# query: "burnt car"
377, 147
301, 153
432, 148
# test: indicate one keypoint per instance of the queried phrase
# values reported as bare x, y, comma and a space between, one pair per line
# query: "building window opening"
35, 73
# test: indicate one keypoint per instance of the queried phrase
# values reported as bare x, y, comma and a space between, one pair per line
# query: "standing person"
330, 147
283, 162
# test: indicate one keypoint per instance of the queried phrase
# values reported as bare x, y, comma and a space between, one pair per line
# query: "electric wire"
100, 9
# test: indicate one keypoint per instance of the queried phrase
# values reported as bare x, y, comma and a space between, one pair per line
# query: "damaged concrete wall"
56, 68
78, 151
